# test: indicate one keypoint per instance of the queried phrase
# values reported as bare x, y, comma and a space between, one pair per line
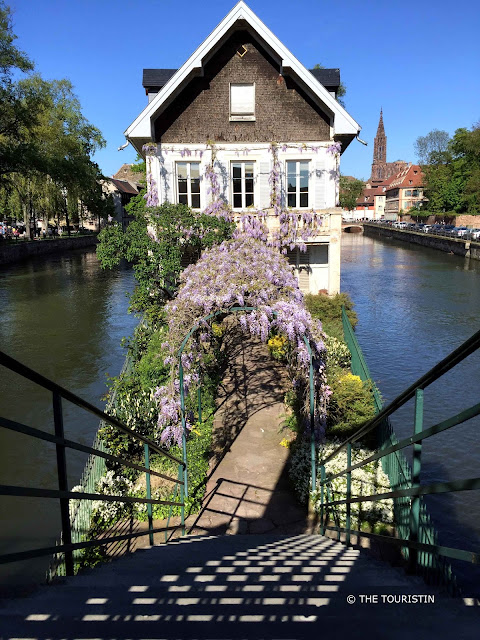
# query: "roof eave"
141, 127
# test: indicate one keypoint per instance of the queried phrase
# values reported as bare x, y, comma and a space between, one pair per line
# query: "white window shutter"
320, 191
242, 98
264, 185
167, 182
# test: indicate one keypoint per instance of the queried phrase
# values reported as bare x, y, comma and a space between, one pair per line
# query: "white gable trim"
142, 125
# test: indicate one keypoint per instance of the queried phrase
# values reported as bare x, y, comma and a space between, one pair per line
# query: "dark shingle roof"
123, 185
328, 77
156, 78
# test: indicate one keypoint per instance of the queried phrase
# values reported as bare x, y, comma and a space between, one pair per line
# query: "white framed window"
297, 184
242, 184
242, 101
188, 184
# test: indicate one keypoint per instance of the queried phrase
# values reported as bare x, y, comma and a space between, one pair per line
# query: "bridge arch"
353, 227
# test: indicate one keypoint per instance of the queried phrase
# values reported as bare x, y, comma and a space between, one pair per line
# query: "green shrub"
328, 309
351, 405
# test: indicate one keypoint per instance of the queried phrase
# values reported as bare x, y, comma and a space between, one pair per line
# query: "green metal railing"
95, 469
416, 534
225, 312
70, 543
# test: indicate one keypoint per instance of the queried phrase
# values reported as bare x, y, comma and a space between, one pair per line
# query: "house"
123, 186
371, 204
243, 123
405, 191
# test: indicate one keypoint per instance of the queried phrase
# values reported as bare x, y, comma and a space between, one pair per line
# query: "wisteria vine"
243, 272
151, 196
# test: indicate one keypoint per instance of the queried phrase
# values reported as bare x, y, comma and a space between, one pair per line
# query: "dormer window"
242, 102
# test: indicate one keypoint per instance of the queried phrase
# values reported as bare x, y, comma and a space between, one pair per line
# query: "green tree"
433, 147
59, 171
17, 108
452, 170
350, 190
181, 235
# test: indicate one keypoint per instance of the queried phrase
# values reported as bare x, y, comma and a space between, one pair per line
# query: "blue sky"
419, 61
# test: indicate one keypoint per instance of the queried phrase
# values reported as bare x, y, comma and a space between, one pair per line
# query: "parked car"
426, 228
462, 231
475, 234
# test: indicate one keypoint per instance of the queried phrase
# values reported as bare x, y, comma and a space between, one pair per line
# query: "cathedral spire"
380, 129
380, 144
381, 169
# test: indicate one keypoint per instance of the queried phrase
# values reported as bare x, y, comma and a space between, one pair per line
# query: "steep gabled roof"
412, 176
141, 128
368, 196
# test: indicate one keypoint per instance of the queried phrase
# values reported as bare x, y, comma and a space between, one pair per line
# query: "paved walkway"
248, 490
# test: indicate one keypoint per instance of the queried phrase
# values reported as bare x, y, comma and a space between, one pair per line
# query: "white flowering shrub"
74, 504
337, 353
367, 480
112, 485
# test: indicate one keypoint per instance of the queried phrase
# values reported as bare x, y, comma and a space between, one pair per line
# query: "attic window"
242, 101
242, 50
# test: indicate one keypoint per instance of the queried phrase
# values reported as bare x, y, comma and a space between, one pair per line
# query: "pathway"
248, 490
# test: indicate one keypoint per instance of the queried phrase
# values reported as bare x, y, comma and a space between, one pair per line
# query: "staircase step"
238, 586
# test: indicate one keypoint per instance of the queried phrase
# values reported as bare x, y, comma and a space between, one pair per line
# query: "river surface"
415, 305
63, 316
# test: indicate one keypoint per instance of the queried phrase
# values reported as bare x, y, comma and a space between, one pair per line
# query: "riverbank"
18, 251
458, 246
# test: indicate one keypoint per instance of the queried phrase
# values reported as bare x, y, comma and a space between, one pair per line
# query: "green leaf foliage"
328, 309
181, 235
452, 171
350, 190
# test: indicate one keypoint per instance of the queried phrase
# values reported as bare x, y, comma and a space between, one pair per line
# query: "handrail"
71, 444
16, 366
67, 546
417, 535
442, 367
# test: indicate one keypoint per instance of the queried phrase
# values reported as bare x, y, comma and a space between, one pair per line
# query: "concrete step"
239, 586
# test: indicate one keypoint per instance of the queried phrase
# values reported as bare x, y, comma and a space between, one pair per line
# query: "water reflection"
64, 317
415, 306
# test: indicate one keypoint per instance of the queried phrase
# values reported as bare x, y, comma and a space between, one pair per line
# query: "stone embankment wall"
15, 252
458, 246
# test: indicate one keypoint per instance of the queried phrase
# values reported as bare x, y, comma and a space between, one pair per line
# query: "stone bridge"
352, 227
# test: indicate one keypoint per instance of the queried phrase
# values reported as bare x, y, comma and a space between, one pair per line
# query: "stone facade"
282, 110
465, 220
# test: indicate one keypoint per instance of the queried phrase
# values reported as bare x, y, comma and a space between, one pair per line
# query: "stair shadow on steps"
266, 586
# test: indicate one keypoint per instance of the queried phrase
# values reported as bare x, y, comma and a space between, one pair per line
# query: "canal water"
415, 305
63, 316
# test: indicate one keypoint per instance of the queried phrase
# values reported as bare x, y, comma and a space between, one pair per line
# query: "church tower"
381, 169
380, 152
